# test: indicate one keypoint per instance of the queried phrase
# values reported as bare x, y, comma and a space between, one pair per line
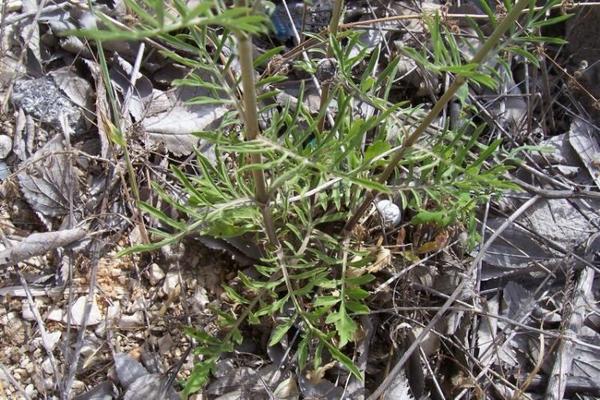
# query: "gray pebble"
5, 146
43, 100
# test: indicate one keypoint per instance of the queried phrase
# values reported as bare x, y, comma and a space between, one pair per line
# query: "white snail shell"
390, 212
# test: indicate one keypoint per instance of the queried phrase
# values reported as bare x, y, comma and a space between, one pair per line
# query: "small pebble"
4, 170
30, 391
27, 313
55, 315
47, 366
200, 299
171, 286
78, 312
154, 274
6, 144
49, 383
29, 367
165, 343
53, 338
132, 321
78, 386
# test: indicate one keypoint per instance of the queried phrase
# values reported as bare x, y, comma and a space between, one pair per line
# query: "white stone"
27, 312
47, 366
171, 286
154, 274
139, 304
5, 146
52, 339
88, 349
390, 212
30, 391
77, 311
114, 310
200, 299
55, 314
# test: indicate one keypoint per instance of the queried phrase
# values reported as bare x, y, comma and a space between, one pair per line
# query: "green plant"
302, 187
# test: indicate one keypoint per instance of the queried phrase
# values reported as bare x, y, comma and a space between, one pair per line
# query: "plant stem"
250, 113
333, 29
251, 130
121, 131
489, 44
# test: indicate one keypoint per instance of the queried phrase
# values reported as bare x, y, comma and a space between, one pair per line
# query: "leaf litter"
63, 192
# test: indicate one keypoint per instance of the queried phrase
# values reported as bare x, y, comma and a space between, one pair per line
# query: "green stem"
334, 23
251, 133
250, 113
435, 111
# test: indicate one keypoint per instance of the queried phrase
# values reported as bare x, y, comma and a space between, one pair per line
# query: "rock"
78, 313
134, 321
154, 274
200, 299
113, 314
27, 312
14, 329
100, 330
4, 170
165, 344
171, 287
47, 366
88, 349
30, 391
52, 339
150, 386
55, 314
49, 383
8, 317
43, 100
128, 369
5, 146
78, 386
103, 391
27, 365
390, 212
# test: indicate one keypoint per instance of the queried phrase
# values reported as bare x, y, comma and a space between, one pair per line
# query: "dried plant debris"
83, 145
583, 137
38, 244
50, 181
171, 121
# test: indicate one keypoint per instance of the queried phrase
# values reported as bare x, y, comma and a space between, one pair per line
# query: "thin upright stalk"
333, 29
251, 131
251, 113
489, 44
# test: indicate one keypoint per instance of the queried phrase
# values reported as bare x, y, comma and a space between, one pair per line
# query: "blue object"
282, 23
